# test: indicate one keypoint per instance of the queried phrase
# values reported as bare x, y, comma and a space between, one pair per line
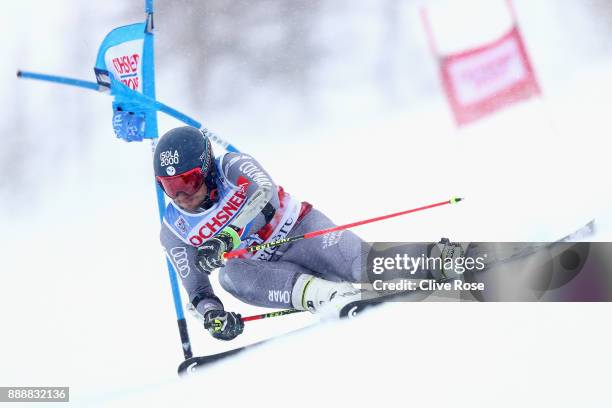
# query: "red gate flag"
482, 79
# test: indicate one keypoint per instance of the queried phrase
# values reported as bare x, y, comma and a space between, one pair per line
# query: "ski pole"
255, 248
271, 314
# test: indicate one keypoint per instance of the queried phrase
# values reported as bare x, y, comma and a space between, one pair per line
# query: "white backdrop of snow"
85, 299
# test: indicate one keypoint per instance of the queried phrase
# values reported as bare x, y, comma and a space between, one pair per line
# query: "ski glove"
210, 254
223, 325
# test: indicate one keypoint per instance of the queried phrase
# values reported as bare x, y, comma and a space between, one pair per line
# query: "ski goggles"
188, 182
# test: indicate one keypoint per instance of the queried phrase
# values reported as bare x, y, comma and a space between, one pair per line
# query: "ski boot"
322, 296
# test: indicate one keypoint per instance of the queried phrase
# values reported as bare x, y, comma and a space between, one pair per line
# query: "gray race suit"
250, 200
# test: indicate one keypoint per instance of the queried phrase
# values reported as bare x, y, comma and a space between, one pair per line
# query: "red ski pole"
255, 248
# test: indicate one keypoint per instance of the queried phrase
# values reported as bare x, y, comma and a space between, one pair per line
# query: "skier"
230, 202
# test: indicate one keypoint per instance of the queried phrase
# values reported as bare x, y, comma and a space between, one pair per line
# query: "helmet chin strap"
209, 200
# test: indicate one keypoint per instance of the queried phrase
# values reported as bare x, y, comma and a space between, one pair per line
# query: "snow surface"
85, 300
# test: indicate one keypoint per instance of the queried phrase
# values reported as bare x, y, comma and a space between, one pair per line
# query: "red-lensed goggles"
188, 182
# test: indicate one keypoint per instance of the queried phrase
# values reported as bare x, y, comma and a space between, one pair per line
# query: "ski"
356, 307
522, 250
372, 299
193, 364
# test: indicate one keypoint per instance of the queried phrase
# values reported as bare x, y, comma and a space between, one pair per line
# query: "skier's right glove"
210, 254
223, 325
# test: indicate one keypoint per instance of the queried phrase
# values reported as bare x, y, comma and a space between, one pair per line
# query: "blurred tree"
13, 162
250, 42
388, 62
601, 11
48, 126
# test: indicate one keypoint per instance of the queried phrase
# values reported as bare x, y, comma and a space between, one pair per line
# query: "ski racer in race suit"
232, 202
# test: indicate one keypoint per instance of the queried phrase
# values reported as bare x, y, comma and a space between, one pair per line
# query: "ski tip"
455, 200
18, 73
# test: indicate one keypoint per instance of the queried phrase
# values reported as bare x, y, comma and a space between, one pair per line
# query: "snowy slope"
433, 354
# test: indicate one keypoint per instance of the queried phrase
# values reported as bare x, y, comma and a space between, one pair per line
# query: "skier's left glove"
210, 254
223, 325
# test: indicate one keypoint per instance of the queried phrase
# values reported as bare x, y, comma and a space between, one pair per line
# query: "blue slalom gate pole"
148, 90
143, 100
60, 80
144, 103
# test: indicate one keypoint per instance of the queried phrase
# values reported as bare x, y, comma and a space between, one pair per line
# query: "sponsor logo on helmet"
168, 158
170, 170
